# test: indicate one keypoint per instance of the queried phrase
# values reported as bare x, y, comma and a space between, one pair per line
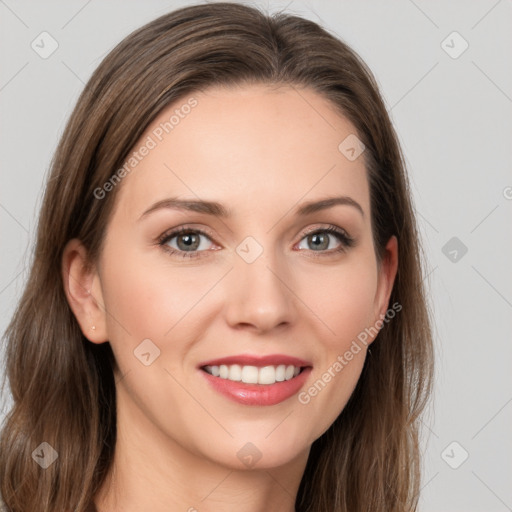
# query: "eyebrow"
218, 210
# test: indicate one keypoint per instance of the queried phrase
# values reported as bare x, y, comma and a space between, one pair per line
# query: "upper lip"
254, 360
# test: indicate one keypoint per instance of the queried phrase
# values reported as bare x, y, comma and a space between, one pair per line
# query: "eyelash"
343, 237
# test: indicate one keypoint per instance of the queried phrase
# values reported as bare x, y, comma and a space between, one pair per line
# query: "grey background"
453, 120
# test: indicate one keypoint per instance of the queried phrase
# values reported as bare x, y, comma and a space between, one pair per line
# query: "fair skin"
262, 153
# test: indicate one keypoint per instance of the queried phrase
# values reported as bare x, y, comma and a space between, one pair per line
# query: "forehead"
248, 146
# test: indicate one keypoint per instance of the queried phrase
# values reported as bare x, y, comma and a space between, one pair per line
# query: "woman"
225, 307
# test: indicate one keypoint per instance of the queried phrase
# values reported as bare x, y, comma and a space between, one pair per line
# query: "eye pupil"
320, 240
191, 241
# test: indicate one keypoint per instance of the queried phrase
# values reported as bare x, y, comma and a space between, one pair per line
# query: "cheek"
135, 304
344, 303
152, 299
146, 295
343, 298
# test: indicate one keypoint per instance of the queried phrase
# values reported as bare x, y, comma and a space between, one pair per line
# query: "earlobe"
82, 287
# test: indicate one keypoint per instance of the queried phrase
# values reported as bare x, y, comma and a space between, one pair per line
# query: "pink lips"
258, 394
260, 361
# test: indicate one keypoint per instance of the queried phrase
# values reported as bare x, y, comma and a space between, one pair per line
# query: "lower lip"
258, 394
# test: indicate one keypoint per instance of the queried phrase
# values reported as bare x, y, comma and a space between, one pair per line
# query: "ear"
82, 287
387, 272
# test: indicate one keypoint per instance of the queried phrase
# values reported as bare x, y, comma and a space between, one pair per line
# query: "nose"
258, 296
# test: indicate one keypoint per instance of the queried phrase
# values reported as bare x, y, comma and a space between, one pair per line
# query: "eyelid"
176, 231
345, 239
331, 228
186, 228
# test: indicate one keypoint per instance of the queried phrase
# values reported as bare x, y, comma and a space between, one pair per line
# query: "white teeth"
254, 374
223, 371
235, 372
280, 372
250, 374
267, 375
289, 372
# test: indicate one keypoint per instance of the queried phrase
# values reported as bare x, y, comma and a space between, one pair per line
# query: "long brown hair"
63, 386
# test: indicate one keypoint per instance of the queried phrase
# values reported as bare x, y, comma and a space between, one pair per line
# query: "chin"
257, 450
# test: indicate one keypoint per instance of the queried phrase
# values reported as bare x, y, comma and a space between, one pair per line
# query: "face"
241, 279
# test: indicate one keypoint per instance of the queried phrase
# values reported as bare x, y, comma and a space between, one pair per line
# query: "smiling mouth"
265, 375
